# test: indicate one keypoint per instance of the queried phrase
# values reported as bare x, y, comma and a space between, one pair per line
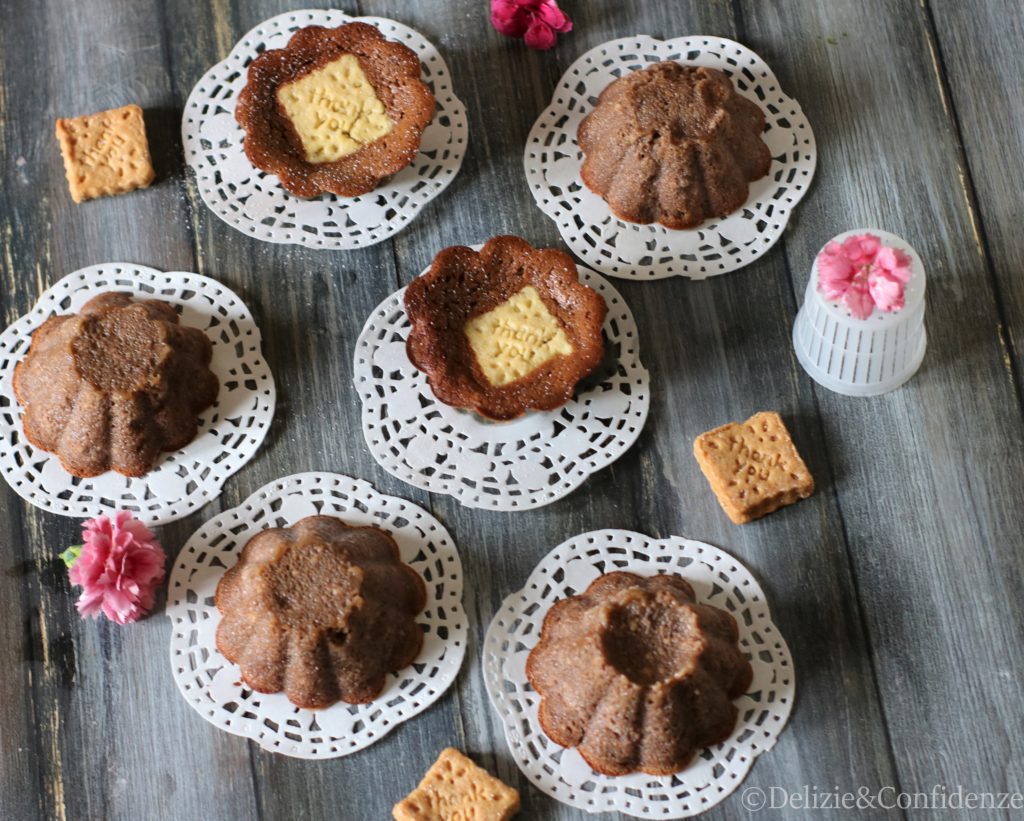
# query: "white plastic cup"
862, 357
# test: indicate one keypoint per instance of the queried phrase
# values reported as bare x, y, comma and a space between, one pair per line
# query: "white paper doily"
211, 684
717, 579
255, 203
526, 463
552, 160
230, 432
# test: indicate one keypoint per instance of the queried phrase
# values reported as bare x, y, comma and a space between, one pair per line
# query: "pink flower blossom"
863, 274
119, 568
538, 22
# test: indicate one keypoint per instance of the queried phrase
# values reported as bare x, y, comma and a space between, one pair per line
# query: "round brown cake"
321, 610
113, 386
636, 675
673, 144
337, 110
504, 330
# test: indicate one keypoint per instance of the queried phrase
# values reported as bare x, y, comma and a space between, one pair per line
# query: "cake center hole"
315, 585
648, 641
119, 351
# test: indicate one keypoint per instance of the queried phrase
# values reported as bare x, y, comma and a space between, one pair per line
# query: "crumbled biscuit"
753, 467
456, 789
105, 153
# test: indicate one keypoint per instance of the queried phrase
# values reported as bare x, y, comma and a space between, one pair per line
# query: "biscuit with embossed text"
455, 788
754, 467
105, 153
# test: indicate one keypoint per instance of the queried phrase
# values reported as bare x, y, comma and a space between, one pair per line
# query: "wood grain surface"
898, 585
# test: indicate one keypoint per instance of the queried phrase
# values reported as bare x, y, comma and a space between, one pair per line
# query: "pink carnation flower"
538, 22
119, 568
863, 274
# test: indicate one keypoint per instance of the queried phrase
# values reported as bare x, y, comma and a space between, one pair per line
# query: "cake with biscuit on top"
504, 330
338, 110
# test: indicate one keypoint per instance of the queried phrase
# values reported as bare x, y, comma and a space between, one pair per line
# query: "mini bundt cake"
636, 675
673, 144
337, 110
321, 610
113, 386
505, 330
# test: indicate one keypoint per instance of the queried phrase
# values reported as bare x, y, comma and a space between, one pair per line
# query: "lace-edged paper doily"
518, 465
718, 579
552, 160
212, 685
255, 203
230, 432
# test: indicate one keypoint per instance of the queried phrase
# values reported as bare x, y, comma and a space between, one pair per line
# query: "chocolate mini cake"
505, 330
673, 144
321, 610
636, 675
337, 110
115, 385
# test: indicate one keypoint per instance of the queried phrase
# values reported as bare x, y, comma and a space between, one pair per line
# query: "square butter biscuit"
105, 153
753, 467
456, 789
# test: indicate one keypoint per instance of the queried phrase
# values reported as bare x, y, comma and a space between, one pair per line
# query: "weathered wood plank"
103, 743
21, 790
927, 478
977, 54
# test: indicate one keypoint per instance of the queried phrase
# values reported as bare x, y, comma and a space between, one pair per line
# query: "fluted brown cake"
505, 330
321, 610
337, 110
636, 675
113, 386
673, 144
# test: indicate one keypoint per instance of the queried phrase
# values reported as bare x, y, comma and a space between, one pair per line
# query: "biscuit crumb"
105, 153
754, 467
456, 789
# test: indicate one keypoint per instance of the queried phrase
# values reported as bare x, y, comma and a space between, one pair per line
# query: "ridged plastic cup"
862, 357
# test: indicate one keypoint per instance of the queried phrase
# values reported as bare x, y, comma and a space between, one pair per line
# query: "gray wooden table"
898, 584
